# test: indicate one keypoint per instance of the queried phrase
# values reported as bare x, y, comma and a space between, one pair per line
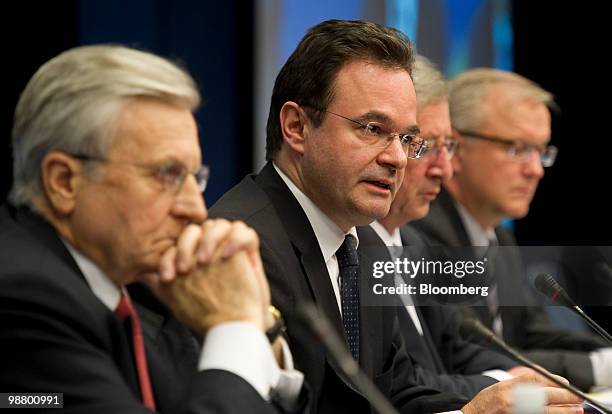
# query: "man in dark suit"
341, 126
107, 189
443, 358
503, 126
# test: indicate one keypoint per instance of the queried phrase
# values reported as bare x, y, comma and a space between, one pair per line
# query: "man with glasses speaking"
342, 126
502, 122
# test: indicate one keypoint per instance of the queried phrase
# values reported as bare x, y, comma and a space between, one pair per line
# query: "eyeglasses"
379, 135
435, 145
172, 175
519, 150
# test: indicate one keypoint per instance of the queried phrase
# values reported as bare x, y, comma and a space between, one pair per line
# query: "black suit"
297, 273
56, 336
444, 359
172, 349
525, 327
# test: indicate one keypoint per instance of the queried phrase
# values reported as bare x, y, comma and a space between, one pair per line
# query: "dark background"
212, 39
560, 45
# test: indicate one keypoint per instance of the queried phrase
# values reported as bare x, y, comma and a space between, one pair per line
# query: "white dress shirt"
394, 241
238, 347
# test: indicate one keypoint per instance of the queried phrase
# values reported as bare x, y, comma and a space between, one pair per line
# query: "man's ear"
60, 175
293, 126
459, 152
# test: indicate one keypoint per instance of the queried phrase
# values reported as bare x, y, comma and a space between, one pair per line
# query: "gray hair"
72, 103
469, 90
430, 84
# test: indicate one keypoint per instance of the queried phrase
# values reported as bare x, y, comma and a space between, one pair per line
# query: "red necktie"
124, 310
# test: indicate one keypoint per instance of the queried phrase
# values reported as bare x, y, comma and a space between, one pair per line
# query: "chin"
379, 212
373, 207
518, 212
367, 216
420, 212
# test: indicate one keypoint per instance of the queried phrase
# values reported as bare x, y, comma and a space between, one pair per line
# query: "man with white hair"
502, 122
108, 184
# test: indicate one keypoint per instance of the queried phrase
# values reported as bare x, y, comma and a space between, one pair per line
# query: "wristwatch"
278, 327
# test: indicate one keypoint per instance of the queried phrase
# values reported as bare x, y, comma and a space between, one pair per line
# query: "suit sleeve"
459, 355
562, 352
46, 348
463, 360
405, 393
541, 333
465, 385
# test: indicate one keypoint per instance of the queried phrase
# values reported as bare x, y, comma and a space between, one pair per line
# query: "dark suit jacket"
524, 327
297, 273
56, 336
444, 359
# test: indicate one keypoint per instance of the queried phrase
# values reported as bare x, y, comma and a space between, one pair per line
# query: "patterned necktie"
126, 310
348, 264
493, 298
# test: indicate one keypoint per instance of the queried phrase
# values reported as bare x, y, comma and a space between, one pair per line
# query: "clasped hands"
214, 274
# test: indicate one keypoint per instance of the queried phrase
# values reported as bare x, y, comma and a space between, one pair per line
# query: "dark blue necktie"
348, 264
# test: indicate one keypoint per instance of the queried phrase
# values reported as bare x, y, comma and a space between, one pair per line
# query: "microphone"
323, 330
549, 287
472, 326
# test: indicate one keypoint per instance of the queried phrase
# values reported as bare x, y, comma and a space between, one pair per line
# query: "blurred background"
234, 50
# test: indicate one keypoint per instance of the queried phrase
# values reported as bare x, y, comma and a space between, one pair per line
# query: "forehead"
434, 119
515, 117
149, 130
363, 87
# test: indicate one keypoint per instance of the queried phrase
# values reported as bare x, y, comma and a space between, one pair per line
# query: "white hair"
430, 85
468, 95
72, 102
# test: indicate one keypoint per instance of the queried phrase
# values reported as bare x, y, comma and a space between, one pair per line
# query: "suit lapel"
44, 233
320, 284
457, 236
411, 238
432, 349
371, 317
304, 242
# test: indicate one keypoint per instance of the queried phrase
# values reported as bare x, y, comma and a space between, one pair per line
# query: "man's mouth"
522, 191
382, 184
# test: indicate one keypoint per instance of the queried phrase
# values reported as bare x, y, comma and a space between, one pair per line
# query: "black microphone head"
473, 328
549, 287
546, 284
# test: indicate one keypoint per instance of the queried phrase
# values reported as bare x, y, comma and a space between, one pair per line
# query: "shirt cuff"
498, 374
290, 381
242, 349
601, 360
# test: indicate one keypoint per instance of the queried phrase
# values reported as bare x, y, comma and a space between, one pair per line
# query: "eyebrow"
384, 119
435, 137
173, 160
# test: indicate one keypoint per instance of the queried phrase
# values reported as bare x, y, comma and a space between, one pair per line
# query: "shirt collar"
102, 287
477, 235
393, 239
328, 234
